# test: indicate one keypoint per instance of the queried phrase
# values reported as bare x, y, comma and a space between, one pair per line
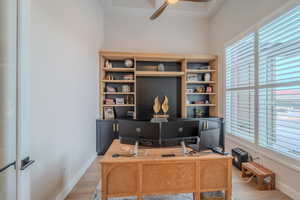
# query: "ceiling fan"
158, 12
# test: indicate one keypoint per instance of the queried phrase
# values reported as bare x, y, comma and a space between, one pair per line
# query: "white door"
14, 168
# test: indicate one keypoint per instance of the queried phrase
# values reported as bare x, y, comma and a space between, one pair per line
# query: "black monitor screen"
179, 129
139, 130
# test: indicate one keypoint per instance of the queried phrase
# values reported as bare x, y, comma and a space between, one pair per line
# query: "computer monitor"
172, 133
145, 132
210, 138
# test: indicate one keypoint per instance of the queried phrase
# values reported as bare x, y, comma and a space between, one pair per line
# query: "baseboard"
69, 186
284, 188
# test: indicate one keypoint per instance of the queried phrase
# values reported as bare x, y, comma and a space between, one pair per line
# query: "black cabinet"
107, 131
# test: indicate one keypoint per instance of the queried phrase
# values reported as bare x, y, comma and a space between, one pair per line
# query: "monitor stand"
184, 150
136, 149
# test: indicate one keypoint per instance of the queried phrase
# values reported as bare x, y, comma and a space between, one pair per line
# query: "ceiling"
147, 7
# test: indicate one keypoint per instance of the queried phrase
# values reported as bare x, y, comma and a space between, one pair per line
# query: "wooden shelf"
200, 82
119, 93
119, 69
118, 81
119, 105
200, 71
156, 73
201, 105
185, 65
201, 93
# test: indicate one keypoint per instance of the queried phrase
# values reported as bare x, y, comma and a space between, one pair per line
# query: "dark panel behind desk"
150, 87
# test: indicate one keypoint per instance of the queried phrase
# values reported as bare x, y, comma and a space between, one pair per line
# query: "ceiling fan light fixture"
172, 1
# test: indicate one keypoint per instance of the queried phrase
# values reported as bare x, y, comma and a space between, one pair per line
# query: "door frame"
22, 74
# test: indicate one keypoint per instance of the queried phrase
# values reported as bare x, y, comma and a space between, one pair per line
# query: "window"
279, 83
263, 75
239, 86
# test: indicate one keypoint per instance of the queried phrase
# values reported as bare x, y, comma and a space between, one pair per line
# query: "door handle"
114, 128
8, 166
26, 162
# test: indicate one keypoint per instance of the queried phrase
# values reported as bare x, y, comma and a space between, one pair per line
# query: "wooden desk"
150, 174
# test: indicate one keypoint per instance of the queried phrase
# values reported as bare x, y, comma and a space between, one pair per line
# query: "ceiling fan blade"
158, 12
196, 0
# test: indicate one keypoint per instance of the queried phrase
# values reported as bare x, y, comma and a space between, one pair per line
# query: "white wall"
168, 34
65, 38
234, 18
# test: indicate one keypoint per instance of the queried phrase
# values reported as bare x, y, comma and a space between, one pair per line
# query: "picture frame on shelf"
120, 101
109, 101
192, 77
109, 113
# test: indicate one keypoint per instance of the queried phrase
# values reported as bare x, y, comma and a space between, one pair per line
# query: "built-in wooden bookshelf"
144, 65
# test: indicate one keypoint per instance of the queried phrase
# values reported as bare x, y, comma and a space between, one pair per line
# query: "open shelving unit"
146, 74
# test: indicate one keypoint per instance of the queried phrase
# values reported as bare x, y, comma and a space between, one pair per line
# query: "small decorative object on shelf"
165, 106
206, 101
120, 101
109, 113
209, 89
130, 114
110, 89
190, 90
207, 77
128, 63
128, 77
108, 64
109, 77
192, 77
109, 101
125, 88
161, 67
204, 67
200, 90
129, 99
200, 102
156, 106
199, 113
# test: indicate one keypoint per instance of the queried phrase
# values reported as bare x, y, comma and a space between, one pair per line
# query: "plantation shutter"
240, 61
279, 84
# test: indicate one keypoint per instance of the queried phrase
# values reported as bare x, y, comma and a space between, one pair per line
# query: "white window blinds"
239, 85
263, 81
240, 63
279, 78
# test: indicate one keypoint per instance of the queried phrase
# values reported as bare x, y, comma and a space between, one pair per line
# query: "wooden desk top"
148, 154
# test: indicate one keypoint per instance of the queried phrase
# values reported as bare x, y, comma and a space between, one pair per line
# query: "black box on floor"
239, 156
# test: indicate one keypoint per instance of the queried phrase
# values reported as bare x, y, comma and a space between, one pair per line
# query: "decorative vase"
207, 77
128, 63
161, 67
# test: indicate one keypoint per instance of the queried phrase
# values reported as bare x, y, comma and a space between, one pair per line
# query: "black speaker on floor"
239, 156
